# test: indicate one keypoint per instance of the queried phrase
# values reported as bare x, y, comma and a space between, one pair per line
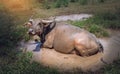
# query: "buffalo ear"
31, 21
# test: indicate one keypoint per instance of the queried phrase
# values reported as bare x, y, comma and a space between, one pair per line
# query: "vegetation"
23, 65
12, 30
55, 3
100, 22
74, 7
10, 34
108, 19
91, 27
6, 28
64, 3
112, 68
12, 61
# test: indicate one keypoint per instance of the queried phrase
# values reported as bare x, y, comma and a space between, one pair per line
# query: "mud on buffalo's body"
66, 38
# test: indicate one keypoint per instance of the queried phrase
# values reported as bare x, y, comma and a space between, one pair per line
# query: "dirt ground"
54, 59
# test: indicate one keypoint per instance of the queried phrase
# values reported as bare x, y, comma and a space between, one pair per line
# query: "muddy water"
73, 17
49, 57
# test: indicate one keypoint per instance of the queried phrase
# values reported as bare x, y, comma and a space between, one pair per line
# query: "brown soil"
51, 58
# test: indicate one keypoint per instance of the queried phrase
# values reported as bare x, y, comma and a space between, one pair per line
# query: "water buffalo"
65, 38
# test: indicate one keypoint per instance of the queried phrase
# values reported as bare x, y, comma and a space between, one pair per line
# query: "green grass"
112, 68
100, 22
91, 27
76, 8
83, 2
108, 19
23, 65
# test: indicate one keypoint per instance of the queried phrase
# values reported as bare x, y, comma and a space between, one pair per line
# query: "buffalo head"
40, 27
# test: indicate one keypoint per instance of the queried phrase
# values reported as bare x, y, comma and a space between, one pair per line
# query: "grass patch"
112, 68
107, 20
100, 22
54, 4
93, 28
23, 65
65, 3
75, 8
83, 2
98, 31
